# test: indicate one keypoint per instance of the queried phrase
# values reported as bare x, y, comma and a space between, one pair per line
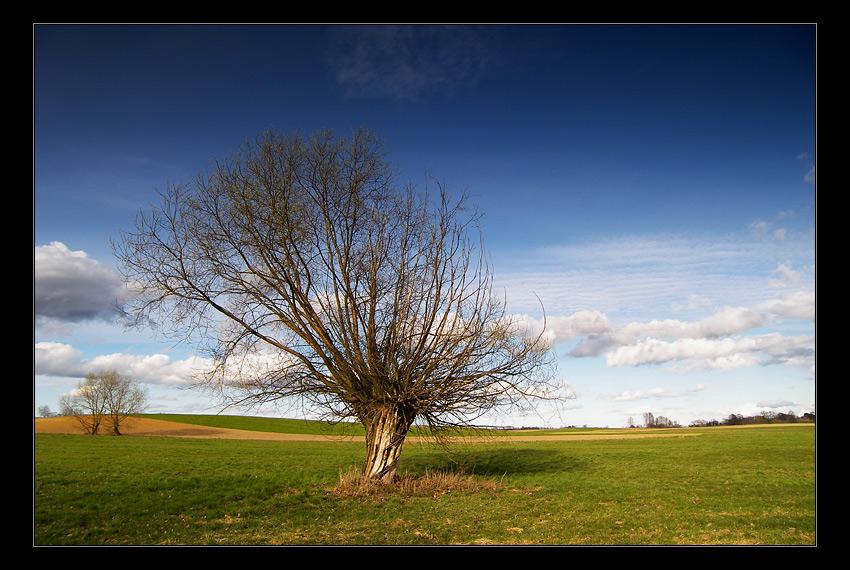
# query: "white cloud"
635, 395
726, 353
798, 305
787, 276
715, 289
712, 343
721, 363
729, 320
726, 322
774, 404
56, 359
59, 359
759, 228
565, 328
642, 278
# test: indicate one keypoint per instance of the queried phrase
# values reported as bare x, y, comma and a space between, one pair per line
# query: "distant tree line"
762, 418
652, 421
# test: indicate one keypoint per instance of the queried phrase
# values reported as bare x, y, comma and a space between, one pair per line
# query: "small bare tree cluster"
316, 276
44, 412
652, 421
105, 396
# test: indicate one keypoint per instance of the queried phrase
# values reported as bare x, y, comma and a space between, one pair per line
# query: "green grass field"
726, 486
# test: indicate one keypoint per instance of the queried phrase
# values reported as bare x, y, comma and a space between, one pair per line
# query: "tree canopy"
315, 274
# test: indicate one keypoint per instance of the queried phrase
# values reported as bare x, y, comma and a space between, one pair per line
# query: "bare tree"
86, 403
123, 398
103, 396
315, 275
44, 412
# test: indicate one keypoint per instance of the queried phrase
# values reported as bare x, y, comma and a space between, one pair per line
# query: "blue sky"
652, 185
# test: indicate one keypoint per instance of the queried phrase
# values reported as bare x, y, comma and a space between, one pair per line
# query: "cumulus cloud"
787, 276
721, 341
728, 321
59, 359
797, 305
706, 353
71, 287
760, 228
561, 329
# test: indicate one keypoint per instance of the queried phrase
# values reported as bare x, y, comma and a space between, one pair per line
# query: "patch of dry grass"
432, 483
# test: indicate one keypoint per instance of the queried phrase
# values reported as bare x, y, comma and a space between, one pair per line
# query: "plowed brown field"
153, 427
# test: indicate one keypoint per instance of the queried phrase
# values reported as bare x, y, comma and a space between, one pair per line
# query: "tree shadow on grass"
497, 462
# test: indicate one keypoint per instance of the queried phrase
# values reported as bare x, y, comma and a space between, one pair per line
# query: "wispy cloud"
650, 278
653, 393
687, 304
407, 61
811, 176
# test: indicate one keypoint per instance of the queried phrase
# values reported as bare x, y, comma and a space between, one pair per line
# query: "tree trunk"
386, 428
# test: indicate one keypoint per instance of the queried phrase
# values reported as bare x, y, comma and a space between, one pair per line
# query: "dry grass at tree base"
434, 484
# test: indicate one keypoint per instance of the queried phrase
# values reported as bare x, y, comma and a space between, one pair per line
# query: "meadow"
709, 486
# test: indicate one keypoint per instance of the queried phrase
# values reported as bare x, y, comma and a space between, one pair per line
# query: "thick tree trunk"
386, 428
